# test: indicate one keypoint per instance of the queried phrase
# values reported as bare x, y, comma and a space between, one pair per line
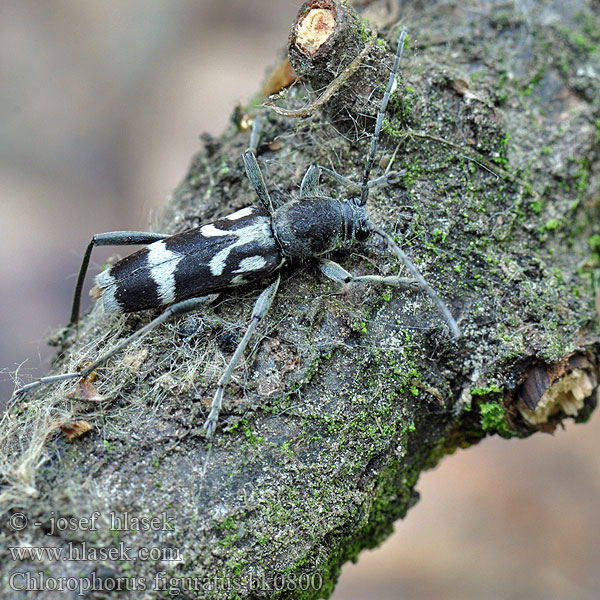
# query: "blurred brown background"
101, 106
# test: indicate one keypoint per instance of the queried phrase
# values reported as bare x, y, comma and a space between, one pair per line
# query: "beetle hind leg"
179, 308
112, 238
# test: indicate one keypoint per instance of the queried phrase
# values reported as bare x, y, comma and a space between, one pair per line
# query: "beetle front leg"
340, 275
337, 273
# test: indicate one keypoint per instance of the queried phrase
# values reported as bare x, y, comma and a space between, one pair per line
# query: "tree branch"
347, 395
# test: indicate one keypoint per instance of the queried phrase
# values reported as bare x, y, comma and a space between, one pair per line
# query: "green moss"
492, 418
285, 447
581, 41
527, 88
439, 235
251, 439
363, 31
226, 523
491, 390
590, 24
535, 206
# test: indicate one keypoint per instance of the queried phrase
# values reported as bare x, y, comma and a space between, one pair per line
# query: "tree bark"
346, 395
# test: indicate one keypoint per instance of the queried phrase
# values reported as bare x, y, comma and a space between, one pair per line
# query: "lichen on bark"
347, 395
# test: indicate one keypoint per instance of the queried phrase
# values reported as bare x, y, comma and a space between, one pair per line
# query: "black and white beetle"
189, 269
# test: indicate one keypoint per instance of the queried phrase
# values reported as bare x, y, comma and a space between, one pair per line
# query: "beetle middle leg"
260, 309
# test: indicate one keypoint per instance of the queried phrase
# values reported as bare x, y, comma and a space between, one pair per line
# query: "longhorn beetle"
189, 269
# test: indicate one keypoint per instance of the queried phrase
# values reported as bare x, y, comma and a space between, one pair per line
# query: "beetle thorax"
314, 226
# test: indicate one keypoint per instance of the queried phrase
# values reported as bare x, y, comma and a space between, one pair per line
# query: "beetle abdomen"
234, 250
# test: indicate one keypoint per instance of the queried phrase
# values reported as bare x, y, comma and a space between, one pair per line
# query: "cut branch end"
562, 388
315, 26
315, 29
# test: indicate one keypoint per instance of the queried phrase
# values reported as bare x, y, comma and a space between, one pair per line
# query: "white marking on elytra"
258, 230
162, 263
251, 263
108, 284
211, 231
240, 214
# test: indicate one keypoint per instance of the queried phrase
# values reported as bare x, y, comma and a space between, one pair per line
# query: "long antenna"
450, 321
364, 194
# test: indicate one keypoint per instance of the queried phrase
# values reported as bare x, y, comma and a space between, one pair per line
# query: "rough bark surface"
346, 395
